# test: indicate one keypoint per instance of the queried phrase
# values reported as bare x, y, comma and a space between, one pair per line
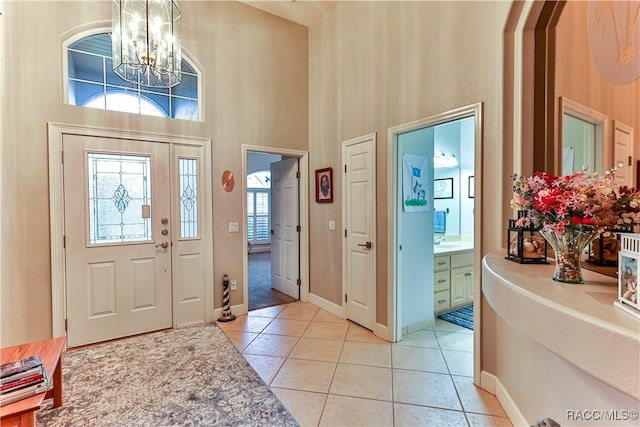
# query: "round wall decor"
227, 181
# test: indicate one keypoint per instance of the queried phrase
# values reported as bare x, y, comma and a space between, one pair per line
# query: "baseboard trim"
417, 326
493, 385
329, 306
237, 310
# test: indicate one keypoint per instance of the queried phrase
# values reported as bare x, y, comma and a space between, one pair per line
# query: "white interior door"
118, 237
623, 153
359, 191
285, 240
414, 272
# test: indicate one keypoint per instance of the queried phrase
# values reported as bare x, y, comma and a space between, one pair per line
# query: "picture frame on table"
443, 188
628, 263
324, 185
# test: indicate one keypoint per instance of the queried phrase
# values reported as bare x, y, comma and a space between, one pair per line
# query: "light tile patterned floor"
331, 372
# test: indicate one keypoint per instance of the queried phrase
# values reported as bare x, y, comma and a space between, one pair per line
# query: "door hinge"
298, 175
62, 156
345, 168
345, 232
298, 282
64, 242
630, 162
298, 228
345, 297
65, 325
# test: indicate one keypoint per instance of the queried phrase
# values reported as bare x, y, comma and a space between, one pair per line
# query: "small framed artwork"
324, 185
443, 188
629, 258
472, 183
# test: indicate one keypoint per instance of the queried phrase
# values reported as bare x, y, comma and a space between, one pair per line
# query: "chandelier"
146, 42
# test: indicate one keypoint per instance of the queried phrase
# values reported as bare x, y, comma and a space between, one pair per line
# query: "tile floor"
331, 372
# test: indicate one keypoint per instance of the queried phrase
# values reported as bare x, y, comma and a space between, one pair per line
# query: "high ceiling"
303, 12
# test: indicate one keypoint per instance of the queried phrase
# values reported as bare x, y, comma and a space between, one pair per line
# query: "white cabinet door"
461, 285
469, 285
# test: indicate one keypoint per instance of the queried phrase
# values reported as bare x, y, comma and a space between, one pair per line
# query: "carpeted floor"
461, 317
260, 293
190, 376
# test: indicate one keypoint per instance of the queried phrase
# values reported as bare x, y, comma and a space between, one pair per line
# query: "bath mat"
461, 317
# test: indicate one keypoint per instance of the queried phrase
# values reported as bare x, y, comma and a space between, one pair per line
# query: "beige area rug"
180, 377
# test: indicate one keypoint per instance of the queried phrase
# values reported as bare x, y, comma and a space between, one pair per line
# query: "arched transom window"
92, 83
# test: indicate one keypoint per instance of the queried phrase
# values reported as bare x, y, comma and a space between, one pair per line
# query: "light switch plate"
332, 225
233, 227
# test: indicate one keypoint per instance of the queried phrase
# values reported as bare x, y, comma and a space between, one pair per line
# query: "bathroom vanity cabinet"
452, 279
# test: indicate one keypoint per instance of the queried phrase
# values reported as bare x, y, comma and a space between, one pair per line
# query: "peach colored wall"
374, 65
255, 90
578, 77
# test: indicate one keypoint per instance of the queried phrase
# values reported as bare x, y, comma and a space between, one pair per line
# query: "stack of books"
22, 378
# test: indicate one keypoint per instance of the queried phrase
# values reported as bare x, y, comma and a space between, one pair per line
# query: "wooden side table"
23, 412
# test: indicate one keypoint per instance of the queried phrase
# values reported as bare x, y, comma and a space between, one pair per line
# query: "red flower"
579, 220
546, 199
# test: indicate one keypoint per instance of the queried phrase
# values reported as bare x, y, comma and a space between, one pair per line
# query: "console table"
23, 412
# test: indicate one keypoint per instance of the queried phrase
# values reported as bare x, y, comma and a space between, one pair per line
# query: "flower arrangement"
579, 201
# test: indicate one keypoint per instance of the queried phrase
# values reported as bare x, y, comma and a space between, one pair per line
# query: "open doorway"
274, 265
434, 267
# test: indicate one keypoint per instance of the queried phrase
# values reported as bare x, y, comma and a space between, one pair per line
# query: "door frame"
56, 132
345, 144
303, 189
603, 149
393, 312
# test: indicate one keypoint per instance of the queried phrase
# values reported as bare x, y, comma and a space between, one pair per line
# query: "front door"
285, 232
118, 237
359, 223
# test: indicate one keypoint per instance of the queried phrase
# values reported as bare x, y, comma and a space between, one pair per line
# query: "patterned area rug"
190, 376
461, 317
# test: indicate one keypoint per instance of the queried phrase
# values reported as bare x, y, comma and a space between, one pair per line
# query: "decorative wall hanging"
443, 188
614, 38
414, 182
324, 185
227, 181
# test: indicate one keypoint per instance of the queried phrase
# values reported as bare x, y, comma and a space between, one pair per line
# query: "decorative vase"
568, 247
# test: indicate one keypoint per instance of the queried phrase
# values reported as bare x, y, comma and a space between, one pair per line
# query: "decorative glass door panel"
119, 198
188, 198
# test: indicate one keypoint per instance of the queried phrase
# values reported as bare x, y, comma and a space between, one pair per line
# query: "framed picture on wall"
472, 183
443, 188
324, 185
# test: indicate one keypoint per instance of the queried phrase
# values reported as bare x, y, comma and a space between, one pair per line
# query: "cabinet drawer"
441, 300
441, 263
441, 281
461, 260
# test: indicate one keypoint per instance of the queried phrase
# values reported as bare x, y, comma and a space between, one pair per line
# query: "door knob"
163, 245
367, 245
